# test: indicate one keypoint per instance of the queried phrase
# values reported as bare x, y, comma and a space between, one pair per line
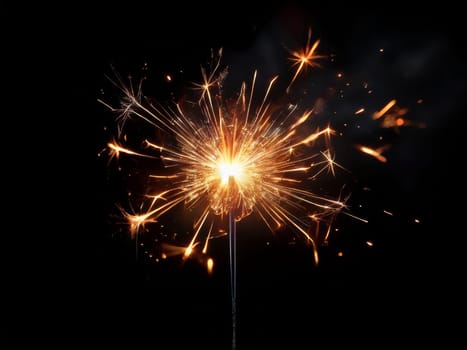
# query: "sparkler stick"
136, 245
233, 274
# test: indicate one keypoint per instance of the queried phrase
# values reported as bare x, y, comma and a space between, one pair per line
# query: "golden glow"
229, 170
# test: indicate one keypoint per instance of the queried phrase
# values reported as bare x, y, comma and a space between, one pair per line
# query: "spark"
304, 58
241, 157
383, 110
359, 111
115, 149
357, 217
376, 153
393, 116
131, 96
136, 221
210, 265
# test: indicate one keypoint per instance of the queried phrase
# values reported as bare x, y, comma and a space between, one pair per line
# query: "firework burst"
234, 157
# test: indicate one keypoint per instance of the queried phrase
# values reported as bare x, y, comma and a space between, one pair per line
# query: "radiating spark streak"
328, 233
116, 149
314, 136
301, 169
302, 196
199, 225
128, 101
356, 217
388, 212
237, 156
153, 145
106, 105
376, 153
210, 81
136, 221
164, 176
251, 97
304, 58
285, 179
156, 197
208, 236
329, 158
359, 111
302, 119
171, 250
383, 110
292, 221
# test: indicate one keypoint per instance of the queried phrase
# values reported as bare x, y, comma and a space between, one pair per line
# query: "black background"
83, 285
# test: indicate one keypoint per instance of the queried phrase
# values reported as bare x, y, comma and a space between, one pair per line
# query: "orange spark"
359, 111
115, 150
383, 110
392, 116
210, 265
304, 58
374, 152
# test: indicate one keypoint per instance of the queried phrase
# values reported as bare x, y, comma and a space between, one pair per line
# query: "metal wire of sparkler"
233, 275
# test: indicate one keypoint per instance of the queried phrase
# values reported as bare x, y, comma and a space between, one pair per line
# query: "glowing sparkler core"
229, 170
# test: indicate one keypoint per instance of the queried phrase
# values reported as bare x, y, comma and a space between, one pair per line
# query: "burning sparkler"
230, 159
